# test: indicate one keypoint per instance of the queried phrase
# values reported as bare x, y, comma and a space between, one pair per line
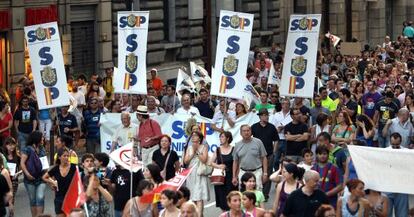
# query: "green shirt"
266, 106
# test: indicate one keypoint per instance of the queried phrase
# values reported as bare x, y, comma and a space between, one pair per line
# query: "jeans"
281, 151
44, 127
399, 203
117, 213
382, 141
22, 139
36, 192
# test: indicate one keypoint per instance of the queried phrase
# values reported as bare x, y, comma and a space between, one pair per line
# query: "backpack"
33, 163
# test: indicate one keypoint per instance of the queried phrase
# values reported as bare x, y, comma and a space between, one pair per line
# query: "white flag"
123, 157
273, 79
198, 73
333, 38
184, 82
384, 169
249, 93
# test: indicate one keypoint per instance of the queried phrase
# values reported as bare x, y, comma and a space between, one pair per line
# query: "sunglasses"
274, 96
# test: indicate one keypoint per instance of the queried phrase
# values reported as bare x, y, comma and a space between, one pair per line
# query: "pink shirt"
148, 129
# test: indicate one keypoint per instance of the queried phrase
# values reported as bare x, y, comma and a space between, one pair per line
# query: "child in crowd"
248, 183
307, 162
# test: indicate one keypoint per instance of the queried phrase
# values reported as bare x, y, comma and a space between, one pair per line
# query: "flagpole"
85, 207
174, 100
130, 171
225, 111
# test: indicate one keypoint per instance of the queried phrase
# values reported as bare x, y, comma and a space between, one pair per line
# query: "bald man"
125, 133
305, 201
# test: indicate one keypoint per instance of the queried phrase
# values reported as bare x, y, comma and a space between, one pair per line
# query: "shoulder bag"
218, 175
164, 170
204, 169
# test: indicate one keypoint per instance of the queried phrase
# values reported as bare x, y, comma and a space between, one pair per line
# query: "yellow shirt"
73, 158
329, 104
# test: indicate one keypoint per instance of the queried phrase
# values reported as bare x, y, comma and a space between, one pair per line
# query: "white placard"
43, 42
233, 44
132, 52
45, 162
299, 66
12, 168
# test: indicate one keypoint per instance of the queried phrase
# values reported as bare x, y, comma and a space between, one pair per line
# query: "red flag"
172, 184
75, 196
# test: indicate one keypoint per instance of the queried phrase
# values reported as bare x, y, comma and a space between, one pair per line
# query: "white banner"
43, 42
233, 44
273, 78
298, 75
250, 94
174, 126
132, 52
126, 157
383, 169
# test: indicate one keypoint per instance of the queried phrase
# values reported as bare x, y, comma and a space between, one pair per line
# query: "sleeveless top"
283, 198
147, 212
346, 212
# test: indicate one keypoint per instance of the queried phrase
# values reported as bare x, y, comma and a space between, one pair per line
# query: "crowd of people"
299, 147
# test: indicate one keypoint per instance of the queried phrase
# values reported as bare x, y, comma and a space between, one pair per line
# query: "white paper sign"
233, 44
299, 66
12, 168
132, 52
45, 162
43, 42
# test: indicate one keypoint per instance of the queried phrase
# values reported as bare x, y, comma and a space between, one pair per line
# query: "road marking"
210, 204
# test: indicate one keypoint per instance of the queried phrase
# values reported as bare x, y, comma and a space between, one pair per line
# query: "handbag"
164, 171
204, 169
218, 176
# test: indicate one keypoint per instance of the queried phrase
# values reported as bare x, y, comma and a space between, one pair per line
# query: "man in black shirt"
267, 133
297, 135
348, 105
67, 122
25, 121
121, 187
305, 201
385, 110
205, 105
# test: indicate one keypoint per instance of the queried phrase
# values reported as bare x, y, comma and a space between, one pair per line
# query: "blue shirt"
409, 31
44, 114
91, 123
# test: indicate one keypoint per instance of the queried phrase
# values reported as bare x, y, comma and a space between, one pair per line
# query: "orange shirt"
157, 84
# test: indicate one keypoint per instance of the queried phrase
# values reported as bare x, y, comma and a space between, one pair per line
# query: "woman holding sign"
59, 178
33, 169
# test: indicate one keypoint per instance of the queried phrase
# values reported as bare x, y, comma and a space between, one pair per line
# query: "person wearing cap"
267, 133
149, 134
156, 81
125, 133
385, 109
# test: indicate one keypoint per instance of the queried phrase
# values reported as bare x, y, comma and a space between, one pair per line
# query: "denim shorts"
36, 192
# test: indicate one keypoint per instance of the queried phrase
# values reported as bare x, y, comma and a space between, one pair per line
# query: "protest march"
301, 129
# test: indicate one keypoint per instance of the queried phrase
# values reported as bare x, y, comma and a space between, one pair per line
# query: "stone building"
180, 30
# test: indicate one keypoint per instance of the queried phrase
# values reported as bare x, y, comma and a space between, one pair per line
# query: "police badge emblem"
298, 67
49, 76
41, 33
132, 20
303, 23
230, 64
235, 21
131, 62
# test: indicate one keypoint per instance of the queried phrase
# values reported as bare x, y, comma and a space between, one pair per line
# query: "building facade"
180, 30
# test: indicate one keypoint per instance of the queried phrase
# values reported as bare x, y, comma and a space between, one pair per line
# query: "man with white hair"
125, 133
402, 125
304, 201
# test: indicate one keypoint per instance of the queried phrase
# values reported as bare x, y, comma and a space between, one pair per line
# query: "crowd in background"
299, 146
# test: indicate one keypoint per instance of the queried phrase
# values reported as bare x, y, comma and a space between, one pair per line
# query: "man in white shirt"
280, 120
224, 114
186, 107
125, 133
